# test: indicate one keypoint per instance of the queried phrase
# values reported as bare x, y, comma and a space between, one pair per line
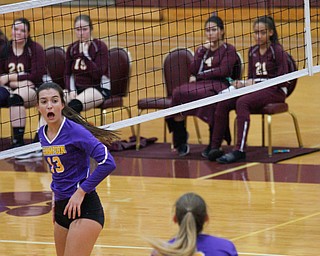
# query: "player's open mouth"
50, 115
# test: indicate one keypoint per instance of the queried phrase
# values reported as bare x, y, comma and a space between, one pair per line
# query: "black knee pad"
76, 105
4, 95
15, 100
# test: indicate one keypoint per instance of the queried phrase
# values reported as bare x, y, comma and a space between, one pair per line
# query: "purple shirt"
214, 64
87, 72
213, 246
68, 156
30, 64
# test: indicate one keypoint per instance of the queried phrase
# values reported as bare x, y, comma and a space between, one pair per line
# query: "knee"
76, 105
4, 95
242, 105
15, 100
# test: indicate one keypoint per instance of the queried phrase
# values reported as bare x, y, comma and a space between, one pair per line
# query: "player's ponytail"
190, 213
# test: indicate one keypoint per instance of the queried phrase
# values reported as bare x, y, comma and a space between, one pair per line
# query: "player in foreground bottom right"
191, 214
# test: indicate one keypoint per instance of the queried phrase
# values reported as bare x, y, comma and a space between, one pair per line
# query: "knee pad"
76, 105
15, 100
4, 95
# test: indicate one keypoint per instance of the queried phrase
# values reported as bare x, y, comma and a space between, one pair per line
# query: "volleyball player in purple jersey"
191, 214
267, 59
68, 142
22, 68
87, 71
212, 65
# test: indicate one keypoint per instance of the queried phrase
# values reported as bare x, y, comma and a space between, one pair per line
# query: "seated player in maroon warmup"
22, 69
87, 68
191, 215
212, 65
266, 60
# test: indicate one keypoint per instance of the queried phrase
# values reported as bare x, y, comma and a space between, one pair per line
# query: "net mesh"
149, 30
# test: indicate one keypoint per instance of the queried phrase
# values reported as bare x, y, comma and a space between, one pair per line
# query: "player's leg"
60, 237
19, 99
221, 124
82, 235
90, 98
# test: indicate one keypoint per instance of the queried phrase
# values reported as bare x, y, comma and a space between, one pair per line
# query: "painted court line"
276, 226
126, 247
227, 171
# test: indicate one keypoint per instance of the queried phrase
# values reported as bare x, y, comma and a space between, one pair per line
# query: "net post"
308, 39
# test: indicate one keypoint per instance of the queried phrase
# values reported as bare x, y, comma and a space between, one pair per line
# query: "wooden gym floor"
265, 209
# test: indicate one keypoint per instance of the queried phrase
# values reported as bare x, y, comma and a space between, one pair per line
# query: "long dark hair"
218, 21
3, 45
105, 136
191, 214
3, 38
86, 18
270, 24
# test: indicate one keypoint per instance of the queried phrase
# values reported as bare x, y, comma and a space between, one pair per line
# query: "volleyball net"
148, 31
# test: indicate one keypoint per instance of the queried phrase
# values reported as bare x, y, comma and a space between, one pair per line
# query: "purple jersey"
87, 72
30, 65
213, 246
68, 156
272, 63
214, 64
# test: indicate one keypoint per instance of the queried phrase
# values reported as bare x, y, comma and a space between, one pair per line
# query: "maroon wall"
217, 3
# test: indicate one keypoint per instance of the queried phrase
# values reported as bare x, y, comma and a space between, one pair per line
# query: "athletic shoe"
183, 149
206, 151
232, 157
214, 154
33, 154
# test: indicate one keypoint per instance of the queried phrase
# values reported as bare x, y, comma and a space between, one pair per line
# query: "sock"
180, 134
18, 133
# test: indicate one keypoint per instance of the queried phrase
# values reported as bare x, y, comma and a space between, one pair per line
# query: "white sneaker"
37, 153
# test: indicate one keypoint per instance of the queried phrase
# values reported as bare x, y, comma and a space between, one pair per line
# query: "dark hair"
105, 136
23, 21
3, 45
27, 24
269, 22
3, 38
85, 18
191, 214
215, 19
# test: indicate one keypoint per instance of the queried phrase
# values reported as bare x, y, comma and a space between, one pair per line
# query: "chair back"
120, 68
56, 61
238, 68
292, 66
176, 68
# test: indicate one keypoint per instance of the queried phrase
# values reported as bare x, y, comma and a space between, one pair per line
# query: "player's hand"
73, 208
192, 79
238, 84
207, 45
